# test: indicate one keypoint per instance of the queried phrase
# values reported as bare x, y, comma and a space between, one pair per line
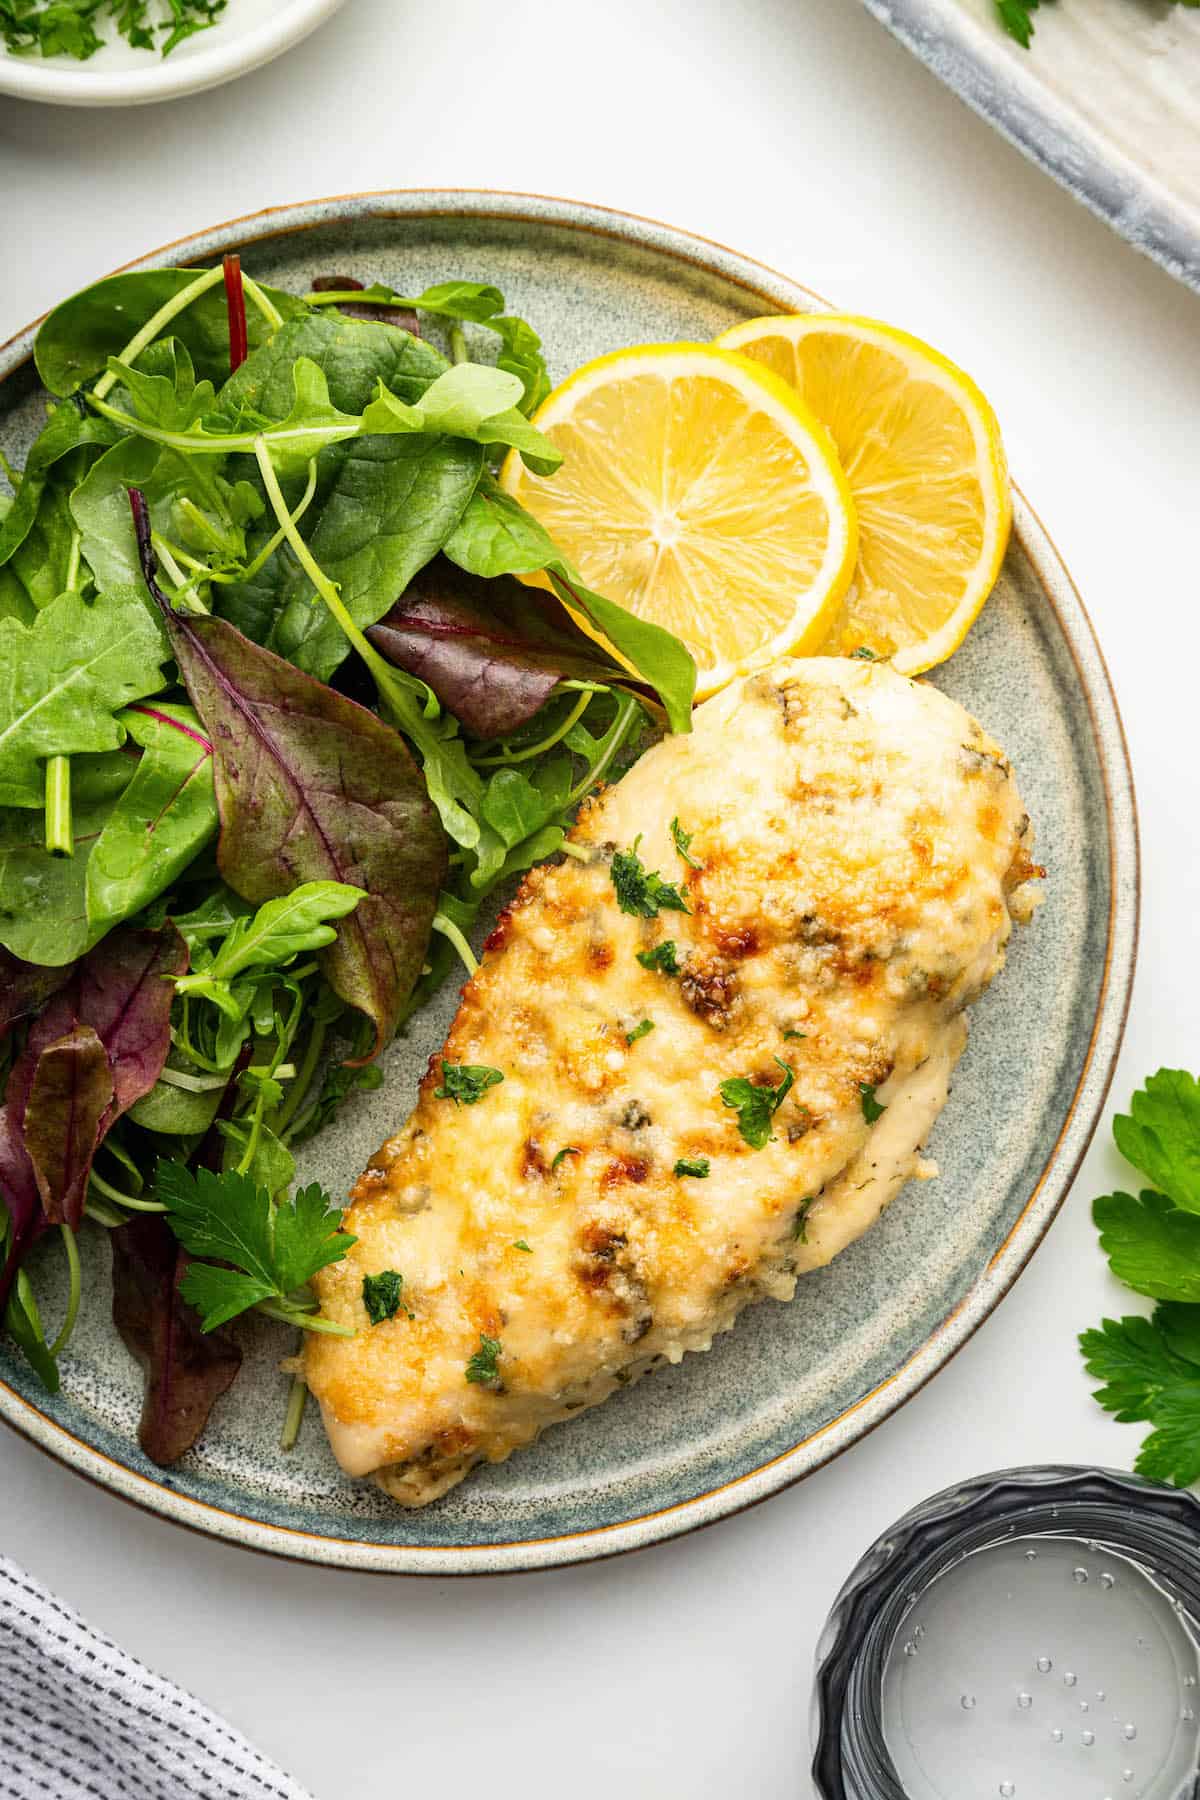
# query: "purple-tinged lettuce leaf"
26, 986
187, 1370
385, 312
492, 651
72, 1089
312, 787
21, 1200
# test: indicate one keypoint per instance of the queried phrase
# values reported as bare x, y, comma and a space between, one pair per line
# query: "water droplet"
1107, 1580
1187, 1715
918, 1633
1079, 1576
1044, 1665
1099, 1693
1126, 1774
1189, 1681
1024, 1701
1007, 1789
910, 1649
1057, 1735
967, 1702
1031, 1556
1070, 1679
1087, 1739
1129, 1732
1084, 1707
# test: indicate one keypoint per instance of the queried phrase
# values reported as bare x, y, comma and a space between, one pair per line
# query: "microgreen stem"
458, 344
338, 297
576, 851
60, 840
272, 544
610, 743
298, 1092
111, 1193
73, 1292
290, 1315
108, 1216
266, 307
293, 1417
235, 305
73, 561
154, 325
547, 743
169, 552
201, 443
453, 935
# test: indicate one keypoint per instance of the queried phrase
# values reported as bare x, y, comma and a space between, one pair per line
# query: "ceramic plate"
1106, 101
792, 1385
248, 34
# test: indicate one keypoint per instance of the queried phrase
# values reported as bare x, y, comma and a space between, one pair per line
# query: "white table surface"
798, 131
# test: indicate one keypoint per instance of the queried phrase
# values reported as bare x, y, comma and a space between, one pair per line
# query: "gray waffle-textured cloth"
81, 1720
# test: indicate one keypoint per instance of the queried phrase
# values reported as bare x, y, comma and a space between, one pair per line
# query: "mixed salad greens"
277, 718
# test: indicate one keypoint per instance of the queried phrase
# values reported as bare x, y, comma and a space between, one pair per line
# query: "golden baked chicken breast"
699, 1057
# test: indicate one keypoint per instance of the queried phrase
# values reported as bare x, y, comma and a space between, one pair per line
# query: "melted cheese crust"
862, 850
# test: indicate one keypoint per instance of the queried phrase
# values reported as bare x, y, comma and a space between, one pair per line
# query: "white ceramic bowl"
248, 34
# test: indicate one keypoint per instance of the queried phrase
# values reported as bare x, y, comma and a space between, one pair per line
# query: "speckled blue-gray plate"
793, 1385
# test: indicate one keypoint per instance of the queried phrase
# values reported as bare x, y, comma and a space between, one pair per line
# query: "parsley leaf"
871, 1109
639, 890
639, 1031
1160, 1135
1145, 1379
863, 654
682, 841
756, 1106
381, 1295
466, 1082
1152, 1246
698, 1166
664, 957
274, 1248
520, 1244
800, 1222
484, 1366
567, 1150
1016, 16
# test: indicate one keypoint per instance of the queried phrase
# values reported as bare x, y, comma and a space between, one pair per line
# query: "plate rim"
1049, 130
1048, 1193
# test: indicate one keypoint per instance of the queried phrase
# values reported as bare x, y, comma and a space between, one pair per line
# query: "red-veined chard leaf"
492, 651
312, 787
187, 1370
25, 987
72, 1089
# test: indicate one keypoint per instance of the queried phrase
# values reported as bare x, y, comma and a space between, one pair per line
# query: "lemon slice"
698, 491
922, 453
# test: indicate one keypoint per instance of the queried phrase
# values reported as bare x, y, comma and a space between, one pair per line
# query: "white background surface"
799, 132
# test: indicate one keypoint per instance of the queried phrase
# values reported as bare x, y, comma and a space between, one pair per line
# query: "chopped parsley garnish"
863, 654
795, 1034
639, 1031
871, 1109
664, 957
640, 891
693, 1165
682, 841
520, 1244
1016, 16
800, 1222
567, 1150
484, 1365
381, 1295
466, 1082
756, 1106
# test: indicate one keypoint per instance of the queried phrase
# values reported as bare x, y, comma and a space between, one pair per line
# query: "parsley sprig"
483, 1369
274, 1249
1150, 1368
66, 28
381, 1295
466, 1083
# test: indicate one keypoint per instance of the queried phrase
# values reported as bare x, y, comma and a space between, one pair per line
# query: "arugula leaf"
496, 536
466, 1082
756, 1105
484, 1365
273, 1249
1152, 1246
871, 1108
280, 930
1160, 1135
161, 821
641, 891
663, 957
381, 1295
67, 676
697, 1166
